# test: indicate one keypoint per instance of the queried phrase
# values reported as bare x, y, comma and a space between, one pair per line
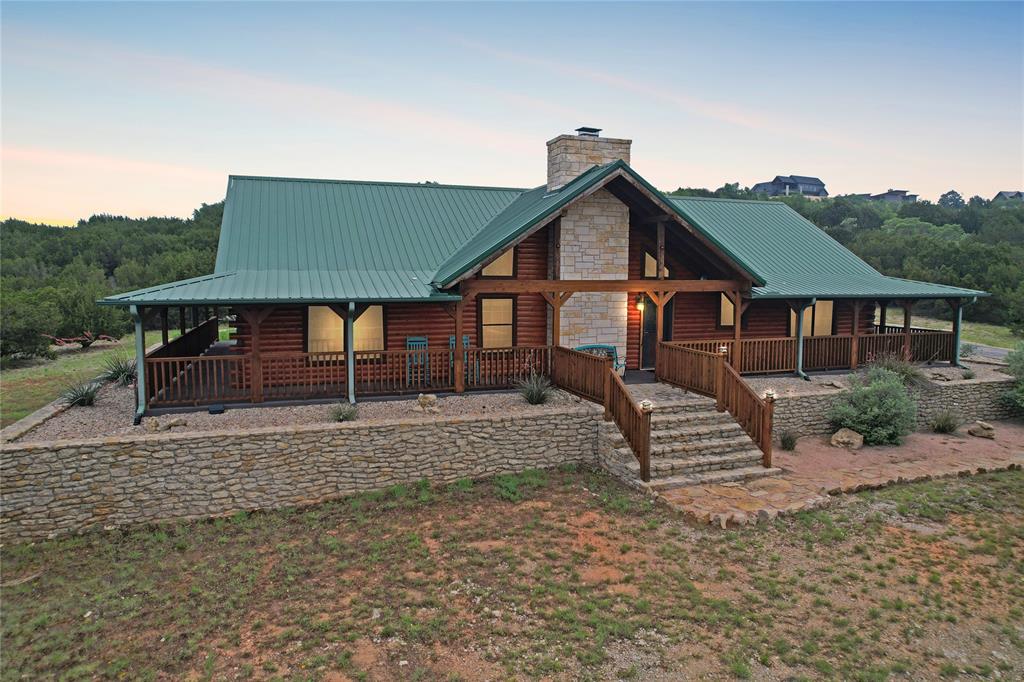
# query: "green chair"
606, 350
417, 365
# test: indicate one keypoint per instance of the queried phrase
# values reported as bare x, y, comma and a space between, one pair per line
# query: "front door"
649, 330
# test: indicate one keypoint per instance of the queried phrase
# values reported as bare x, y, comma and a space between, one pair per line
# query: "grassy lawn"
560, 575
29, 385
970, 332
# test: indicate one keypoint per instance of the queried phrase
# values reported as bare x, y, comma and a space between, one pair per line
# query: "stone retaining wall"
52, 488
973, 399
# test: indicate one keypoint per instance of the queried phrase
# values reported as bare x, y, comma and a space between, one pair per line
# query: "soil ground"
555, 575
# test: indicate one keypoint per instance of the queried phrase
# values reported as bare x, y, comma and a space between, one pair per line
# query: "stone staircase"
691, 443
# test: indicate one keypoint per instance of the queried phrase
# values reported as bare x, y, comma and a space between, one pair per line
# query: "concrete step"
696, 432
710, 477
665, 468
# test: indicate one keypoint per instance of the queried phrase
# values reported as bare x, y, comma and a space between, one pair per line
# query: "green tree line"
976, 244
51, 277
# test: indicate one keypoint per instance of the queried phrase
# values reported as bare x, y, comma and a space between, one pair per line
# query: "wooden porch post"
181, 320
737, 326
460, 352
255, 320
958, 315
140, 363
555, 299
881, 319
854, 342
907, 305
350, 352
164, 331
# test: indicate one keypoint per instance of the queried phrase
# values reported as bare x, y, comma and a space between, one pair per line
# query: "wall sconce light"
640, 302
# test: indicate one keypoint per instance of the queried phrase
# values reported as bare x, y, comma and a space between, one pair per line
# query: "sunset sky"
145, 108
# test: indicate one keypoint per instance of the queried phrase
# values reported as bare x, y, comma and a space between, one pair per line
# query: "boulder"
168, 425
982, 430
151, 424
847, 438
427, 402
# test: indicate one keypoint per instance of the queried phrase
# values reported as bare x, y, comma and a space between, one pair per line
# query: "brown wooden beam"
907, 305
659, 218
854, 342
737, 325
181, 320
536, 286
661, 251
165, 334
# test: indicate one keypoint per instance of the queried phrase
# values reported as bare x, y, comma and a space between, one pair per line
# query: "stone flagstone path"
815, 471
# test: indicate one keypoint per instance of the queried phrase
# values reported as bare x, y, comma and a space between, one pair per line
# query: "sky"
145, 108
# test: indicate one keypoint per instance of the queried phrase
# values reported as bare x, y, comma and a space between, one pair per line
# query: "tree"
25, 318
951, 199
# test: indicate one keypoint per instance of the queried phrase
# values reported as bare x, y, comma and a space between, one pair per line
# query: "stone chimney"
571, 155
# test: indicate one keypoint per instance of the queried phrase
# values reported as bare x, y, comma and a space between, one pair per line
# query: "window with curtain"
502, 266
325, 330
726, 312
817, 319
496, 325
651, 267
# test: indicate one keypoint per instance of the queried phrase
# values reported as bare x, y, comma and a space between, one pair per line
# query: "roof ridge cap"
429, 185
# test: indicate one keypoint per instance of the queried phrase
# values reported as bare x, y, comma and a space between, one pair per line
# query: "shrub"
967, 350
879, 408
968, 373
1015, 361
909, 373
946, 421
536, 388
120, 369
787, 439
345, 412
80, 395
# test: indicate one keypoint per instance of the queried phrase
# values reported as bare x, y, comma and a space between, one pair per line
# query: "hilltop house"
785, 185
895, 196
345, 289
1008, 196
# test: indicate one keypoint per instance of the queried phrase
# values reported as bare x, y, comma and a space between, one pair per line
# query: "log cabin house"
345, 289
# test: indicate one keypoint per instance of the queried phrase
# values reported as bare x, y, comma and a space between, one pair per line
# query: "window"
326, 330
651, 267
497, 329
817, 320
502, 266
726, 312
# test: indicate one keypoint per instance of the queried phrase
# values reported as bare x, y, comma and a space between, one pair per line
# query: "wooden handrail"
585, 374
192, 343
634, 421
751, 412
688, 368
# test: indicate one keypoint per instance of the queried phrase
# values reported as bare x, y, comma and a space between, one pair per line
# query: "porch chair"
606, 350
471, 375
417, 364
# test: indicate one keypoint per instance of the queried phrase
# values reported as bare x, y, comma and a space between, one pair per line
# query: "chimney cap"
588, 132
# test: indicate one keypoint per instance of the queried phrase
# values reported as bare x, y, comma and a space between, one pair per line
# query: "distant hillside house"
895, 196
785, 185
1009, 196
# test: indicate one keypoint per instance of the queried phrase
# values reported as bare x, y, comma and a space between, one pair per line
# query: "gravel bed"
115, 405
789, 385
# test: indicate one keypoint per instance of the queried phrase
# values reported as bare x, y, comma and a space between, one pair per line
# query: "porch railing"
584, 374
197, 380
192, 343
778, 354
711, 374
633, 421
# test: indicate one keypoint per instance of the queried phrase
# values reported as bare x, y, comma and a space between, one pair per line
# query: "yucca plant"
345, 412
910, 374
787, 439
120, 369
946, 421
536, 388
80, 395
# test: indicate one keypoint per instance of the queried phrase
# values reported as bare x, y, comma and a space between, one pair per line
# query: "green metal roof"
297, 240
793, 256
290, 286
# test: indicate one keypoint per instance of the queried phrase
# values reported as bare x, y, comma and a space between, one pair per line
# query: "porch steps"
692, 443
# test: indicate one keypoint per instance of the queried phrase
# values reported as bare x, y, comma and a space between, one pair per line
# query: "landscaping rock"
847, 438
982, 430
177, 421
427, 402
151, 424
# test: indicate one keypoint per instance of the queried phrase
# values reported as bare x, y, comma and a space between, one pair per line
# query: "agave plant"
120, 369
536, 388
80, 395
